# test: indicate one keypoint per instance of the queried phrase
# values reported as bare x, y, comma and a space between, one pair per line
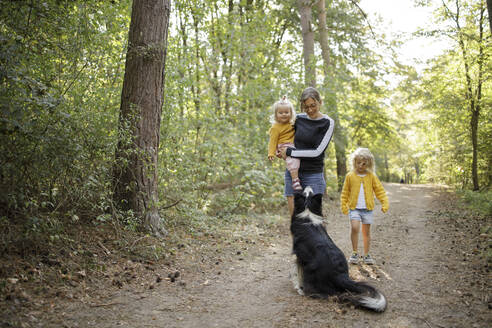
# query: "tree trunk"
305, 11
474, 136
135, 170
182, 56
476, 110
489, 171
473, 98
215, 80
323, 37
195, 85
227, 58
330, 98
489, 8
386, 168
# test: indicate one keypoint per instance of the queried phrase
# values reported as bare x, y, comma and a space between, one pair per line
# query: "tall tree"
135, 171
489, 8
305, 11
330, 98
473, 81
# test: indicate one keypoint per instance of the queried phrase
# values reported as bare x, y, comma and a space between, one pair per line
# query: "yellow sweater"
372, 185
280, 133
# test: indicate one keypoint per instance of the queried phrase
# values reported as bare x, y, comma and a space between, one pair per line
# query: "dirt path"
427, 282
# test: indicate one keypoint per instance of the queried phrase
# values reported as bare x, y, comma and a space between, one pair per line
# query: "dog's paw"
300, 291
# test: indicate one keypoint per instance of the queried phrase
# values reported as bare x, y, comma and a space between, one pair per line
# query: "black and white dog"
321, 268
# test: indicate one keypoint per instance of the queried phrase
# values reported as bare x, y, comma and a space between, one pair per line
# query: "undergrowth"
479, 208
57, 252
478, 201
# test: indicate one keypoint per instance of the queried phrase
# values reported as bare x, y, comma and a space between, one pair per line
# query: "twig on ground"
136, 241
106, 304
104, 248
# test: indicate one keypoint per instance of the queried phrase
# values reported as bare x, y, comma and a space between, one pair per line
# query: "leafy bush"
56, 110
480, 202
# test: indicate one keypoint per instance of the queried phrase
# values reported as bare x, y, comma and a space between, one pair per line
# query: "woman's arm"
294, 152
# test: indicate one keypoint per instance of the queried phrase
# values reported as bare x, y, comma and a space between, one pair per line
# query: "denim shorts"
363, 215
315, 180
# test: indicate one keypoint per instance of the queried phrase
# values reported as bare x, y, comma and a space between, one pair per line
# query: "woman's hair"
309, 92
283, 102
365, 154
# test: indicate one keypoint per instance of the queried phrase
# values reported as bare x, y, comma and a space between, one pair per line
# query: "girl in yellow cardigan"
282, 136
357, 200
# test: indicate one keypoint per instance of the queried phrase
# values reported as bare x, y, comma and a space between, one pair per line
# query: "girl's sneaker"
354, 259
368, 260
296, 185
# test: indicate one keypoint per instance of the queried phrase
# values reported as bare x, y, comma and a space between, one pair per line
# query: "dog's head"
308, 200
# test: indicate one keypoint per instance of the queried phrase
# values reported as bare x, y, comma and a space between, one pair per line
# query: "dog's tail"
362, 294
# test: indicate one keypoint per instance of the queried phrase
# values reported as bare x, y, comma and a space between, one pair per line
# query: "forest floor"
431, 263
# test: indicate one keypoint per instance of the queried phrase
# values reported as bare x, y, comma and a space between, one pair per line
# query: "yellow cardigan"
372, 185
280, 133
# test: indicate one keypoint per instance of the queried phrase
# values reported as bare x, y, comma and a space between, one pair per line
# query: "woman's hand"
271, 158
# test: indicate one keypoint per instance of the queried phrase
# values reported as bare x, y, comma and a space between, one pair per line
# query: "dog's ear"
299, 202
316, 204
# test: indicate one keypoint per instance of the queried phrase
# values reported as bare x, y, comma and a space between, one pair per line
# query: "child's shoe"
296, 185
354, 259
368, 260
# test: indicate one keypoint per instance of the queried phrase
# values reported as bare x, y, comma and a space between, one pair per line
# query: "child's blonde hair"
366, 154
283, 102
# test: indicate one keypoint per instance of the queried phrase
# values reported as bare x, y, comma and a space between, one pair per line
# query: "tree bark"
472, 96
489, 8
227, 58
330, 97
182, 54
305, 11
135, 169
474, 135
476, 110
489, 171
195, 86
323, 37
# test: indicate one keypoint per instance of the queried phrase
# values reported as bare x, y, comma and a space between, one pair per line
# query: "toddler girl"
282, 136
357, 200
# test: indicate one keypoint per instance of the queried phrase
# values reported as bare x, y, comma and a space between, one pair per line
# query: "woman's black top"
311, 139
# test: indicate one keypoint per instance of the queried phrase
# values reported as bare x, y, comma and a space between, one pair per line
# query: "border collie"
321, 267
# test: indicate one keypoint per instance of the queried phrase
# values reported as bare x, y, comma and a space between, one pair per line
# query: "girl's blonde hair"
366, 154
283, 102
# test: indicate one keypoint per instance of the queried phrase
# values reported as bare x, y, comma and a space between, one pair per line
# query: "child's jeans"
292, 163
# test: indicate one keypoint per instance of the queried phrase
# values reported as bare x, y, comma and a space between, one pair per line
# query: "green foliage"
442, 107
479, 202
213, 145
62, 64
59, 64
222, 77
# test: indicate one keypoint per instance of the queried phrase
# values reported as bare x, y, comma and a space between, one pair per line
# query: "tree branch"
365, 16
173, 204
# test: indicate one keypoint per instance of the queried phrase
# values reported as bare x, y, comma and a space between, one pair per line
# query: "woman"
313, 132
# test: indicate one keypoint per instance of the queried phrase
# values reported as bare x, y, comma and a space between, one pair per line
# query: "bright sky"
401, 18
